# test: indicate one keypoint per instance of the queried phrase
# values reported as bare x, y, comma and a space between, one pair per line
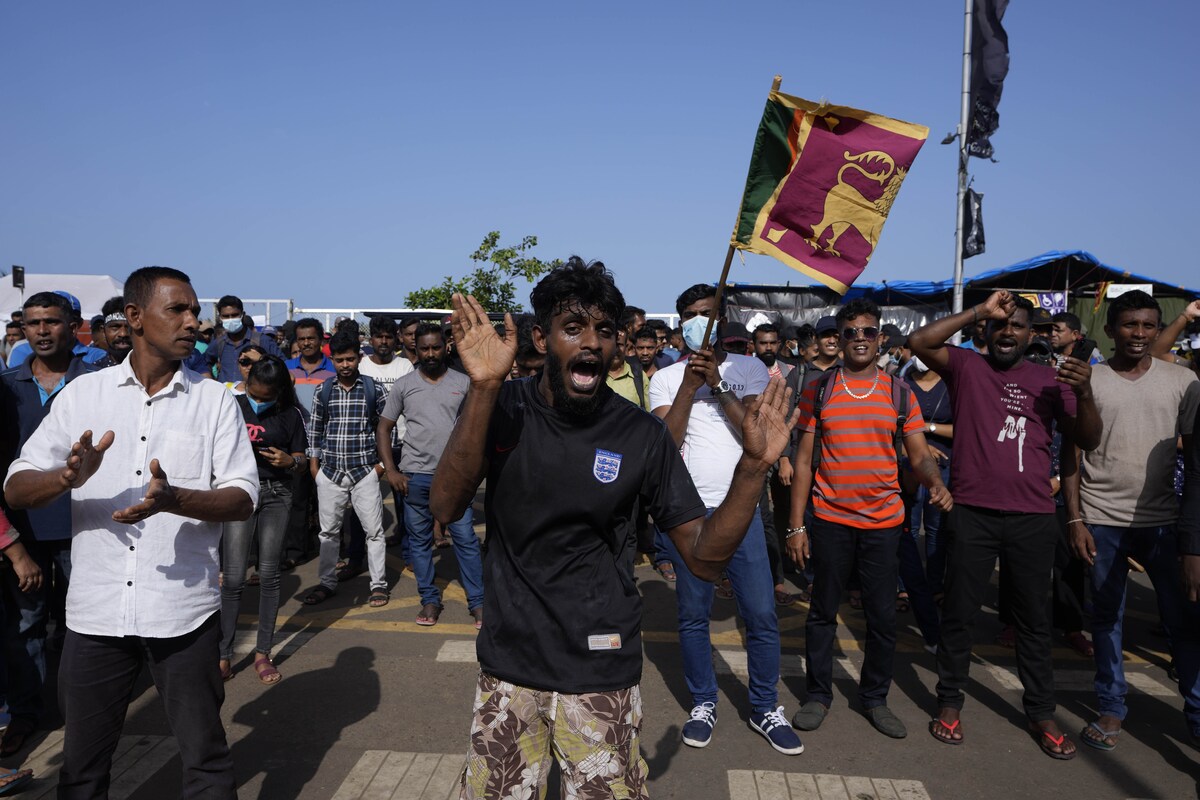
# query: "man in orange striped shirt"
857, 509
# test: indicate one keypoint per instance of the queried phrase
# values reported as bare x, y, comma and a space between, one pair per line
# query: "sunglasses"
868, 333
247, 362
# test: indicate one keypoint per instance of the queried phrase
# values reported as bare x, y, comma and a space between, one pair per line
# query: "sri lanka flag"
821, 183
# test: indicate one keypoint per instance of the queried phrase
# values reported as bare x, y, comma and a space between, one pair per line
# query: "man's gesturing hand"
84, 459
160, 496
766, 428
999, 306
485, 356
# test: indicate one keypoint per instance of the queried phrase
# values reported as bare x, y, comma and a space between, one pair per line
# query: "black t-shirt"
563, 612
276, 427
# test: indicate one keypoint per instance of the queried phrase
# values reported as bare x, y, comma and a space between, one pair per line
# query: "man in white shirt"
155, 458
702, 400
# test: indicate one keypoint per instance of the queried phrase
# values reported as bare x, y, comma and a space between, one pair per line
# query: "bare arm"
228, 504
926, 470
1085, 428
797, 545
929, 341
39, 488
383, 445
707, 545
1161, 347
488, 360
695, 375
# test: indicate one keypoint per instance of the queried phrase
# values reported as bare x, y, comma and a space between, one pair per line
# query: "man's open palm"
766, 428
485, 356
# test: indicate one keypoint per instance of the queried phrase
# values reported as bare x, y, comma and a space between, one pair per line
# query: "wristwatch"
721, 388
933, 427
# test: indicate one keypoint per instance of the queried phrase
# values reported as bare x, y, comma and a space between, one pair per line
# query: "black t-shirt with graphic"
563, 612
282, 428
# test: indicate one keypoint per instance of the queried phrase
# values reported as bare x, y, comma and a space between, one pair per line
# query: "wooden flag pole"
775, 84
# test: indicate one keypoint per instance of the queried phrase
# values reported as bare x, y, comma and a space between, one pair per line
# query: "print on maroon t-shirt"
1003, 423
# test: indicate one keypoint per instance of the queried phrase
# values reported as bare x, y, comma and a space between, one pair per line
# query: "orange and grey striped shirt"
857, 481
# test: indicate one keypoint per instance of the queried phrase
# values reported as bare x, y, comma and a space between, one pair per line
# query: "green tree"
492, 279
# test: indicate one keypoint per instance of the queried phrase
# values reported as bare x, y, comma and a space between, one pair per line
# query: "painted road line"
403, 776
734, 662
136, 760
1067, 680
459, 651
286, 642
766, 785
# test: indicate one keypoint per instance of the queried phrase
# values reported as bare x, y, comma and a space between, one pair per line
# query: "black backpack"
900, 396
326, 393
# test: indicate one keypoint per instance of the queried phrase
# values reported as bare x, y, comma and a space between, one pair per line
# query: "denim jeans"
420, 532
750, 573
269, 521
838, 551
923, 514
915, 580
26, 616
1157, 550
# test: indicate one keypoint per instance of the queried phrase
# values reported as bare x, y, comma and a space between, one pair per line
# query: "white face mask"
918, 364
232, 325
693, 333
1194, 341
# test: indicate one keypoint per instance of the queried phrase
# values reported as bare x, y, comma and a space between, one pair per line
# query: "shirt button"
147, 402
131, 547
139, 472
129, 583
143, 438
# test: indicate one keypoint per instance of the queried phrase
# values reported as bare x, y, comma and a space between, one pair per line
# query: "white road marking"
387, 774
734, 662
244, 642
1068, 680
460, 651
765, 785
136, 760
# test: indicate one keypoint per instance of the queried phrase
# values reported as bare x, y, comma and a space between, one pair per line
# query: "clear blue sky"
345, 153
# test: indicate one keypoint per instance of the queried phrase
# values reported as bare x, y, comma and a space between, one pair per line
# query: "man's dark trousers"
1025, 545
95, 683
835, 551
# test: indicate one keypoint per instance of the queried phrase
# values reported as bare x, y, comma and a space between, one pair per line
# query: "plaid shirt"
341, 435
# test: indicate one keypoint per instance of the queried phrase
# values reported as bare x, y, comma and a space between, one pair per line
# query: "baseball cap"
825, 324
896, 337
1041, 317
736, 331
205, 325
71, 298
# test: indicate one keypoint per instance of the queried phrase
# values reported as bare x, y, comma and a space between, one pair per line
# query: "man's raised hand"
486, 357
999, 306
84, 459
766, 428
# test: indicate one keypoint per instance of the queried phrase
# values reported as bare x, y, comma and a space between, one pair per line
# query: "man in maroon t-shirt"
1004, 411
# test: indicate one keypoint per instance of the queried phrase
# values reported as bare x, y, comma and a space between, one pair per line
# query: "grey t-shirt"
430, 410
1129, 480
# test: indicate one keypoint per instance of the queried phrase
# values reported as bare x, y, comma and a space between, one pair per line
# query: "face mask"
259, 407
1195, 342
693, 333
918, 364
795, 351
232, 325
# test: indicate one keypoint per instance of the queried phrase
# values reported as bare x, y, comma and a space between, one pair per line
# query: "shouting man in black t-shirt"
567, 463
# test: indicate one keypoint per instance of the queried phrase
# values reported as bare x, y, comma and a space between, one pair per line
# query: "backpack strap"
900, 403
822, 394
372, 400
639, 378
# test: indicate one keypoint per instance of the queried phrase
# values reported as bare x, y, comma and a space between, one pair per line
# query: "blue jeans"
25, 620
922, 513
270, 521
750, 573
420, 532
1156, 550
915, 580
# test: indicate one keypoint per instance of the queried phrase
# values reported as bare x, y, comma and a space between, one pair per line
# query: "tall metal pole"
963, 121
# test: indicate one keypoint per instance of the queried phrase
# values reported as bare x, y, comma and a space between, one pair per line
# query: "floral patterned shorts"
516, 729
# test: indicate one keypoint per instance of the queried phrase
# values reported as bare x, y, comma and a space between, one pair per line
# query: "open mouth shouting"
584, 373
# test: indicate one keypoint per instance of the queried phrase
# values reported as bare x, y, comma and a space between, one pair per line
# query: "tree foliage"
492, 279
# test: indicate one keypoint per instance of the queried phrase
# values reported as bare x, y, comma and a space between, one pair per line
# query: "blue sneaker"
774, 726
697, 731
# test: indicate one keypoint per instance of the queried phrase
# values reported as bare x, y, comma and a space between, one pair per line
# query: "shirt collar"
181, 380
76, 368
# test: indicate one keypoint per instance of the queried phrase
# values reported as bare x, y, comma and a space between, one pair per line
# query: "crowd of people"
154, 473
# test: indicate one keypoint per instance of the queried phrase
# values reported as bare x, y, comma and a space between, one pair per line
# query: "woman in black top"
276, 431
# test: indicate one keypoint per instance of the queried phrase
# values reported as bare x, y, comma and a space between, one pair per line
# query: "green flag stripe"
769, 164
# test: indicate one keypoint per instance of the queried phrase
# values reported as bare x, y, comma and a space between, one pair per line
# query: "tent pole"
964, 120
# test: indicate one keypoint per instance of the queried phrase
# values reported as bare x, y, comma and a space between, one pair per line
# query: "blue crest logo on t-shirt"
606, 466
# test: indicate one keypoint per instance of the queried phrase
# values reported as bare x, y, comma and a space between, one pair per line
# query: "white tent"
92, 291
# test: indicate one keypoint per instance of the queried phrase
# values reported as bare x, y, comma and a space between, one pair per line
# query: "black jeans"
1025, 545
95, 682
835, 550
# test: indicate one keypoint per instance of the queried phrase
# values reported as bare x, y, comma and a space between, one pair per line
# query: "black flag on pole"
989, 66
973, 242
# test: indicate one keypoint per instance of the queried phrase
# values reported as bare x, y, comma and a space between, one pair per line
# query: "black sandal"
318, 595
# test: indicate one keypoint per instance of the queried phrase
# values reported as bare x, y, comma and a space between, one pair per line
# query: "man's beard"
768, 359
564, 403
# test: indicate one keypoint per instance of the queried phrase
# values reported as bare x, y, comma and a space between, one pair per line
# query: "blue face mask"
693, 333
259, 407
232, 325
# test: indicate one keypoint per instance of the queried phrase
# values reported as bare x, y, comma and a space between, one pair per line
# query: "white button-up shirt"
158, 577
